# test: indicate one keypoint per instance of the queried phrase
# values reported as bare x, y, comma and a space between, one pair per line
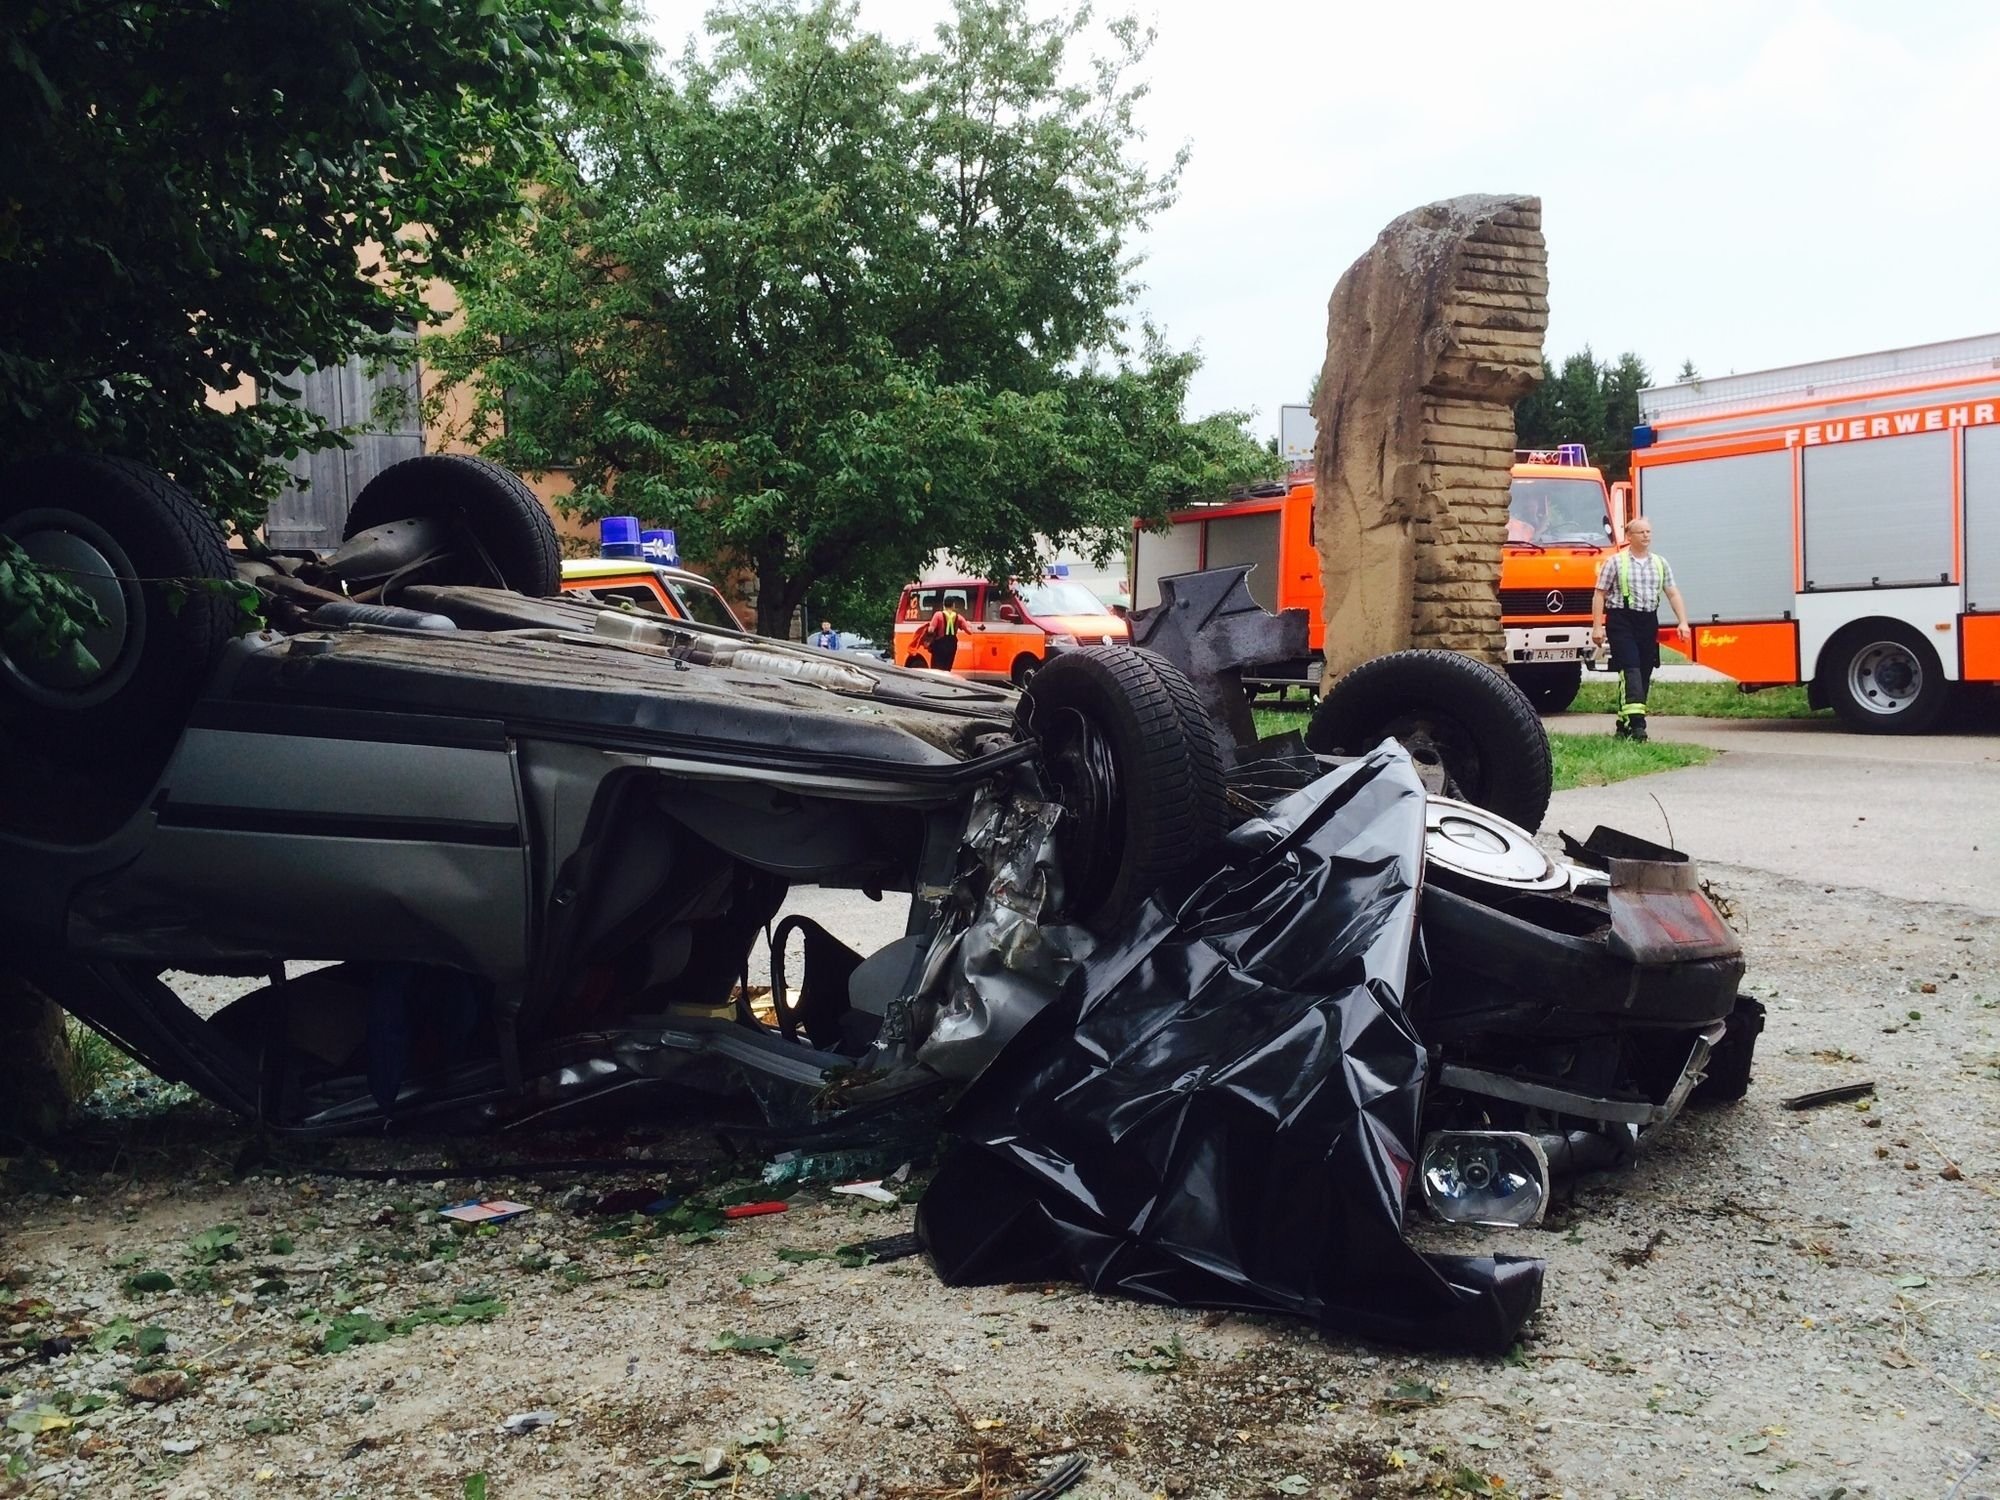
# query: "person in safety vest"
1625, 609
941, 633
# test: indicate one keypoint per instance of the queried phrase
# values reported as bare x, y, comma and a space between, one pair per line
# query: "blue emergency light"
1572, 454
1058, 570
659, 547
618, 536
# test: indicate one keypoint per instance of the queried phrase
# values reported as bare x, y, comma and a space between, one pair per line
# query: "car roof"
625, 567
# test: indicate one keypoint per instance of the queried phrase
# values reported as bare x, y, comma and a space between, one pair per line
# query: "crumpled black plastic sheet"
1223, 1109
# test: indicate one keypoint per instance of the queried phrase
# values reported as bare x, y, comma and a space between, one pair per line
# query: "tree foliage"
203, 193
826, 304
1585, 401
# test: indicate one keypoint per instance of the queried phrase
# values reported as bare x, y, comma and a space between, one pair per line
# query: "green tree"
1688, 371
827, 304
1583, 401
203, 193
1621, 383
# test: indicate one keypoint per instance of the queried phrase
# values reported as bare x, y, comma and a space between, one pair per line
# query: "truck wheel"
1551, 686
1454, 715
1133, 758
141, 548
1025, 668
1885, 678
500, 514
915, 662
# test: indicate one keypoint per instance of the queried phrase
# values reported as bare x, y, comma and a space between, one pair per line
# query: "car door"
1013, 645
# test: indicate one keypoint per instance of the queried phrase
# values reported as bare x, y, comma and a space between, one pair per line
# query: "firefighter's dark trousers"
1634, 638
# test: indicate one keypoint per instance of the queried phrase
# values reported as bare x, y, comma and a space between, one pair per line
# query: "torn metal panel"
1208, 625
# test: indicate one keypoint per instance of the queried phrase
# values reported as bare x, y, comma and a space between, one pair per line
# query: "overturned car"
496, 854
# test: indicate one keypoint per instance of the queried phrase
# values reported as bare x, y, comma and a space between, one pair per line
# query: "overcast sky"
1747, 184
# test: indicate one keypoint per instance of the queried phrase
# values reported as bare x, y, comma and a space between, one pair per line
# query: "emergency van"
1836, 524
639, 569
1558, 531
1008, 629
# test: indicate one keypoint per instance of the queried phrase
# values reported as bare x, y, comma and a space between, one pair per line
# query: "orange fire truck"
1837, 524
1558, 530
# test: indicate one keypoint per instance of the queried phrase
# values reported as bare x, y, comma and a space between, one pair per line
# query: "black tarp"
1223, 1108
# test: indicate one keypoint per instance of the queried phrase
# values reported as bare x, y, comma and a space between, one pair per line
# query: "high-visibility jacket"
1624, 598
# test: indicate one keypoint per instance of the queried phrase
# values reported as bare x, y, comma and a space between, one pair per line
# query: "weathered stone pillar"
1432, 336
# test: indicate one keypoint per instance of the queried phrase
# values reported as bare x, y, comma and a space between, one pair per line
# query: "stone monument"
1432, 336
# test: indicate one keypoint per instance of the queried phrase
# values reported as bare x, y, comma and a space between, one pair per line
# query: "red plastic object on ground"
752, 1210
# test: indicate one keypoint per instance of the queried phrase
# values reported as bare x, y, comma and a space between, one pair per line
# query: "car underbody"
497, 858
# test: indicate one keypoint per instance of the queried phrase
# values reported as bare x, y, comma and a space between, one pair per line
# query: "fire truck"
1836, 524
1558, 530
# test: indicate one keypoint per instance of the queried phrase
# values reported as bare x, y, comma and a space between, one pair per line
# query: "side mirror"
1009, 615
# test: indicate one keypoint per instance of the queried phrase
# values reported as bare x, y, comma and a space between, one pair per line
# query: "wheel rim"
1443, 752
85, 555
1090, 836
1885, 677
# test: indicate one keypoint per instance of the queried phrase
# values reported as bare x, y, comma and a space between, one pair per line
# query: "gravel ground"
1791, 1303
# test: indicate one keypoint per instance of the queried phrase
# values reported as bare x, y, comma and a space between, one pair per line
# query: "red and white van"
1008, 629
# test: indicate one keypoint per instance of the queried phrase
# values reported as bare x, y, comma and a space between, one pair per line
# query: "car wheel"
1551, 687
1885, 678
1728, 1075
915, 662
142, 549
1462, 722
501, 516
1133, 758
1025, 668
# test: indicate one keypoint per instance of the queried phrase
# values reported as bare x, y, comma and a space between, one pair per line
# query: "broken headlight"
1499, 1178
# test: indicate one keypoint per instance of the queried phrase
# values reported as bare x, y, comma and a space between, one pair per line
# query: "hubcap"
1886, 677
83, 554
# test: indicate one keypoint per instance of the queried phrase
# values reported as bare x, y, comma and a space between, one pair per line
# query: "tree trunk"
778, 596
34, 1061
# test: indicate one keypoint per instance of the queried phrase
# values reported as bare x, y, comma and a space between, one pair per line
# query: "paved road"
1917, 817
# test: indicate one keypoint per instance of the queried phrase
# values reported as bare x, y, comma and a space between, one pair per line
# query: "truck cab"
1008, 629
1559, 528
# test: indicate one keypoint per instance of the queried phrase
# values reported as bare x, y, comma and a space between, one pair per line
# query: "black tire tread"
183, 639
1551, 687
1514, 747
1176, 798
513, 525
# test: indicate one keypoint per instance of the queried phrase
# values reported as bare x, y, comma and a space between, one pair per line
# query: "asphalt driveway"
1915, 817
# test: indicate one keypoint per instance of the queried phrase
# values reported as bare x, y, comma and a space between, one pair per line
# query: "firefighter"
941, 632
1632, 582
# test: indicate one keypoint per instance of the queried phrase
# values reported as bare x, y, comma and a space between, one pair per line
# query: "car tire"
1025, 668
1728, 1077
1551, 686
1134, 759
915, 662
143, 549
1448, 711
495, 505
1884, 678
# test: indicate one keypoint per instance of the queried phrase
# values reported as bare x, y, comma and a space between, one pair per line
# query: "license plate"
1555, 653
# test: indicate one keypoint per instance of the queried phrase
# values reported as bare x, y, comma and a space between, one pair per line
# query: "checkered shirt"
1652, 576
